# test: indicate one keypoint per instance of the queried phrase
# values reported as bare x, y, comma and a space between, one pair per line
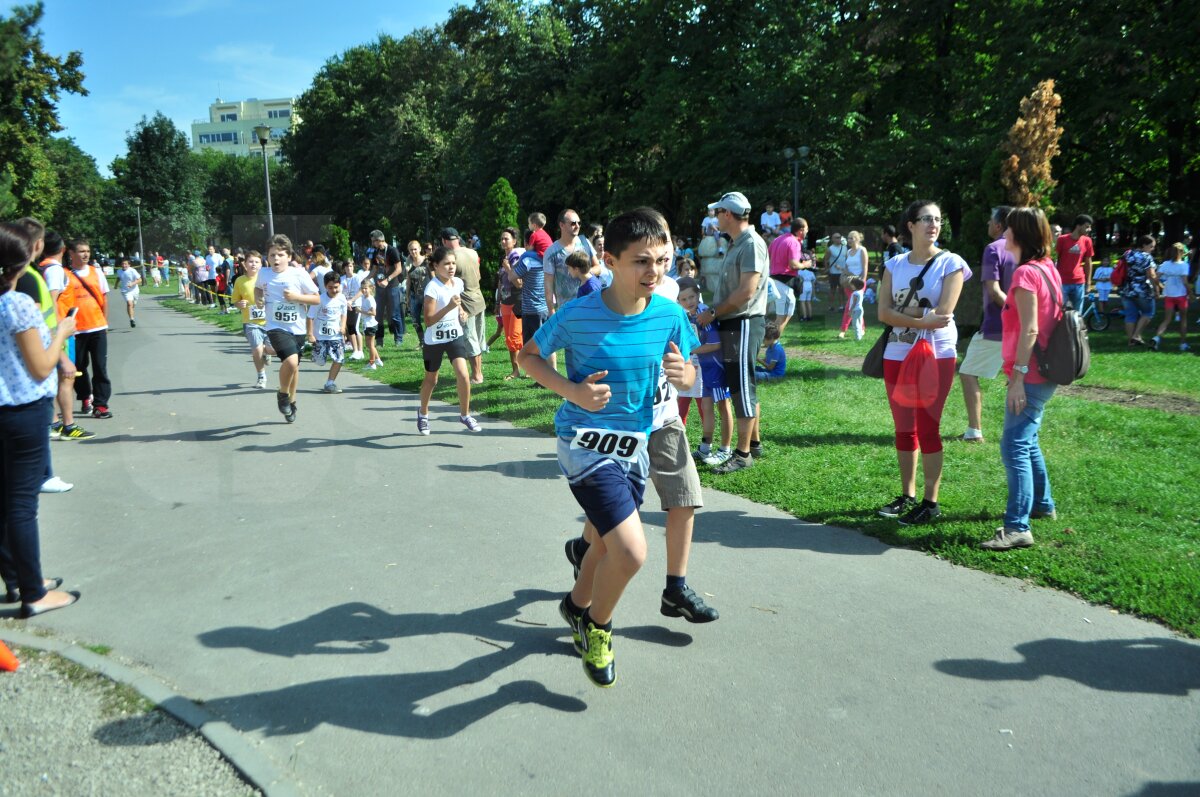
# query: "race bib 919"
625, 446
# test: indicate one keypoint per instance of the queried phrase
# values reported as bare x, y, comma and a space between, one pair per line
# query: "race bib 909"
626, 446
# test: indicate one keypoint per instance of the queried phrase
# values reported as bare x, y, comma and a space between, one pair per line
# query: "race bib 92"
625, 446
258, 313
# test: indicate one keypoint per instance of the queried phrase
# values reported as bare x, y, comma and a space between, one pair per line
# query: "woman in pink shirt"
1032, 310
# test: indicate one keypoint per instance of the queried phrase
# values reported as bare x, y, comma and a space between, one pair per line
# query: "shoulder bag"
873, 363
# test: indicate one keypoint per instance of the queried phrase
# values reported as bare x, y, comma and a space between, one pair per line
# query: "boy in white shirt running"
284, 290
128, 280
327, 332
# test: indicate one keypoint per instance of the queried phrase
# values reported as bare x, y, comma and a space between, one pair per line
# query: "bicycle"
1090, 313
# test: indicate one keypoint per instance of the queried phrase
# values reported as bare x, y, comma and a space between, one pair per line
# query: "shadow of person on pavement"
356, 628
391, 704
189, 435
1157, 666
374, 443
736, 529
516, 469
1167, 790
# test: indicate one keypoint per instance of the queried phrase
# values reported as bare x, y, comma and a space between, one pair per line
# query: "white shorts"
131, 297
983, 358
785, 305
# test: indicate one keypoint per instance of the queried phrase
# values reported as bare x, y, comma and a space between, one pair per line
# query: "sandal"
33, 609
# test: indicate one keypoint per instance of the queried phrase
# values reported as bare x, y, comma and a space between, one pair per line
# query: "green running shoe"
598, 660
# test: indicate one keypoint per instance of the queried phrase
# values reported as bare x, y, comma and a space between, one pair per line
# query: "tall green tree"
160, 170
83, 193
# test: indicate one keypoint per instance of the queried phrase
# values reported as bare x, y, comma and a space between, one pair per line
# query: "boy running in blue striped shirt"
615, 342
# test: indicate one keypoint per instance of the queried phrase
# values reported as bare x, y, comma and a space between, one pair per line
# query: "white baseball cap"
734, 202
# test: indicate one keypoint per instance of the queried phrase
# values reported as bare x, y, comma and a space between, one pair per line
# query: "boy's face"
333, 288
687, 270
279, 259
689, 300
639, 268
253, 264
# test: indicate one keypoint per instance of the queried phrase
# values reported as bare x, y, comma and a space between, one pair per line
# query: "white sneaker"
331, 387
261, 382
371, 367
55, 485
378, 362
358, 355
717, 457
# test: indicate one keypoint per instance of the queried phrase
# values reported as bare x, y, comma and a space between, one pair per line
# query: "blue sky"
175, 56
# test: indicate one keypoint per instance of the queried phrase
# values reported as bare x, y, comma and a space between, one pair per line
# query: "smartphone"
71, 313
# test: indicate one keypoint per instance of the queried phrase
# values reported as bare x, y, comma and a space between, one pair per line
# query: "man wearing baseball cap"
739, 306
467, 269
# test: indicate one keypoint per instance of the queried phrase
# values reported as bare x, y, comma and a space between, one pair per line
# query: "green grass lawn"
1124, 478
1169, 372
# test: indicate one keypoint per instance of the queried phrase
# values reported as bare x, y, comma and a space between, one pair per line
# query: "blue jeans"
396, 322
25, 450
1073, 295
1028, 481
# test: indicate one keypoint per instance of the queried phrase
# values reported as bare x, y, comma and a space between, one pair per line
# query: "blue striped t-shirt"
533, 292
630, 348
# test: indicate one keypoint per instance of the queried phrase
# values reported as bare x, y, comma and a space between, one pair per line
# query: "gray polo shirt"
748, 252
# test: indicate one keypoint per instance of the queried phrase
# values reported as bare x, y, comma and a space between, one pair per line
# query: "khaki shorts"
983, 358
473, 333
672, 469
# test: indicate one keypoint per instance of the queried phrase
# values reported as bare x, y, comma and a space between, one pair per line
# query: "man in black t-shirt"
389, 289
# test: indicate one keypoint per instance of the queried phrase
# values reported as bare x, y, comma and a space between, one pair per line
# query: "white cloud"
257, 70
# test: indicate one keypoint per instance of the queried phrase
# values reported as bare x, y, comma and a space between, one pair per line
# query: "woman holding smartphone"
29, 356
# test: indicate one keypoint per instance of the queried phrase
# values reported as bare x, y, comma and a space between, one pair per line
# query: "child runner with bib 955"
616, 342
283, 290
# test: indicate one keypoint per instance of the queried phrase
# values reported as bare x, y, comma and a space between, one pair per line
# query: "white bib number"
615, 445
287, 313
328, 331
258, 313
446, 331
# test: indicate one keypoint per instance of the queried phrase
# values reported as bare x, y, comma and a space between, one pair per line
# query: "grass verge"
1123, 477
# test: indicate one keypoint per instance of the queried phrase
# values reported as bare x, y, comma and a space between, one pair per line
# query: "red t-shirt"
539, 241
1049, 311
1071, 253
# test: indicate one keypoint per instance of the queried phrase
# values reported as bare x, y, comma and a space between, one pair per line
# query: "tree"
159, 169
500, 210
1032, 144
232, 187
82, 193
31, 81
337, 242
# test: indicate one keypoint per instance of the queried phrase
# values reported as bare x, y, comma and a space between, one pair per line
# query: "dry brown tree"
1032, 143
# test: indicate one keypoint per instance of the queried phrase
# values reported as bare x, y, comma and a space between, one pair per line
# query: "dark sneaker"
574, 554
683, 602
734, 463
756, 452
75, 432
100, 411
132, 323
1047, 514
573, 620
899, 506
422, 424
281, 401
290, 415
598, 660
87, 407
920, 514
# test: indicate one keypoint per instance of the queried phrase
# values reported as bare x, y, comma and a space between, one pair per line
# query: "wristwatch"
1021, 369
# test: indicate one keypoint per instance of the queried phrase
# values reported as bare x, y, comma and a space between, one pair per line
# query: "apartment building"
230, 125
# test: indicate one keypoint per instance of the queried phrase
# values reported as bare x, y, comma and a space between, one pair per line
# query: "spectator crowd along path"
371, 608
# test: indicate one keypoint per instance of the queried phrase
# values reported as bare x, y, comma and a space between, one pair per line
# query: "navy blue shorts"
608, 490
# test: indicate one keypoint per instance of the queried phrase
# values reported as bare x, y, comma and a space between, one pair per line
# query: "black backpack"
1067, 355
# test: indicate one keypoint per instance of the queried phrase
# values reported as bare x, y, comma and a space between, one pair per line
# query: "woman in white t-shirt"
1174, 274
444, 317
857, 260
929, 314
835, 260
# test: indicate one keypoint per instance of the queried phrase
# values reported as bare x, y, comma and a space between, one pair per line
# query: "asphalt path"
375, 611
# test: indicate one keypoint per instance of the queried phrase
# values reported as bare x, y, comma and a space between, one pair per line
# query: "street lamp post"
137, 203
425, 198
264, 134
795, 158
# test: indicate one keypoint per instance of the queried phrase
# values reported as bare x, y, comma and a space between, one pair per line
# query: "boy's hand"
590, 394
312, 338
674, 366
242, 303
290, 295
456, 300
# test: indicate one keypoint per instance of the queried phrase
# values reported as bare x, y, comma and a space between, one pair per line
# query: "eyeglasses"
571, 223
931, 220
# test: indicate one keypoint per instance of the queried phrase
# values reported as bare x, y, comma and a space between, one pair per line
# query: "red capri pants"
919, 428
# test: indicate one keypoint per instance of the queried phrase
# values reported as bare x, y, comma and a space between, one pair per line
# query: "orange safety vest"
92, 313
66, 297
